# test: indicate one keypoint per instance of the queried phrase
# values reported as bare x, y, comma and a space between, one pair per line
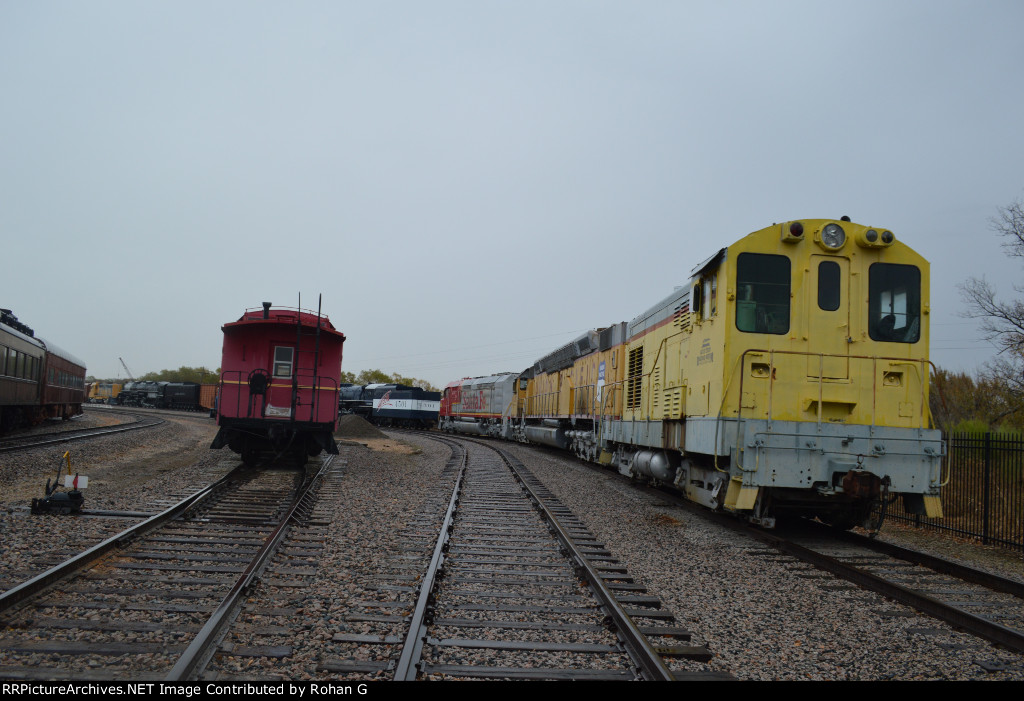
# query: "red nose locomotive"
279, 385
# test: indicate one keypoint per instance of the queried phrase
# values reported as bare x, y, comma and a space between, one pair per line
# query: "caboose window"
762, 293
829, 295
283, 361
894, 303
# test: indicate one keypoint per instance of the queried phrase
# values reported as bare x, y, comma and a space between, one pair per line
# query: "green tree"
370, 377
960, 401
202, 375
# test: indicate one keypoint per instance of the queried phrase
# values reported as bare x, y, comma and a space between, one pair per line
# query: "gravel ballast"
762, 619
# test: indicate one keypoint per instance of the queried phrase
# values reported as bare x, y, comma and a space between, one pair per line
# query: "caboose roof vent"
266, 310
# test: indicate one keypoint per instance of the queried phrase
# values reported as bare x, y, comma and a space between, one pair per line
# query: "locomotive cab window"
894, 303
704, 299
762, 293
283, 357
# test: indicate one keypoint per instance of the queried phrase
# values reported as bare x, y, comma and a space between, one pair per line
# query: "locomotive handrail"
612, 387
721, 407
650, 390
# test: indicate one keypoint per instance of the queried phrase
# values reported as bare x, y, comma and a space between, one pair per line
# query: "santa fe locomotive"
38, 380
279, 385
789, 377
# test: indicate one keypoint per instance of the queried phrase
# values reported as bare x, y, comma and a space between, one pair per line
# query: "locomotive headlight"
833, 236
873, 238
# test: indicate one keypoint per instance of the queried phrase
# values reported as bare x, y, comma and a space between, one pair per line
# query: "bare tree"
1002, 322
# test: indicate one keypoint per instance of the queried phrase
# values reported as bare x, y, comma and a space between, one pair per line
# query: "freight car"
38, 380
279, 385
789, 377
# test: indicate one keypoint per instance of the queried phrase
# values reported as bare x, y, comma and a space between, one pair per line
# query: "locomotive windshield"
762, 291
894, 299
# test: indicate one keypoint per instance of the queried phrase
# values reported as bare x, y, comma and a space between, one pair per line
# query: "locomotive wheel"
849, 518
250, 458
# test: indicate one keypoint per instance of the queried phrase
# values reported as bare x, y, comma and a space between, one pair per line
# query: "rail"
637, 646
201, 647
55, 574
412, 650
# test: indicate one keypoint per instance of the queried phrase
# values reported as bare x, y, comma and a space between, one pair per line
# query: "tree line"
204, 375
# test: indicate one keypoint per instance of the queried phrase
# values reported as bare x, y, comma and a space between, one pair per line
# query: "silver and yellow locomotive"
789, 377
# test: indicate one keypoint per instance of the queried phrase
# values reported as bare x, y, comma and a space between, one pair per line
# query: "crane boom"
130, 376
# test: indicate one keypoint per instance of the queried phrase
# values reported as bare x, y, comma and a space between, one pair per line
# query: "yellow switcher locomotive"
789, 377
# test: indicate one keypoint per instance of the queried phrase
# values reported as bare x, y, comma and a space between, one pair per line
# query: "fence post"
986, 505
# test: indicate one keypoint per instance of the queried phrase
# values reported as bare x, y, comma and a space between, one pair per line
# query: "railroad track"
981, 603
12, 444
154, 601
498, 580
978, 602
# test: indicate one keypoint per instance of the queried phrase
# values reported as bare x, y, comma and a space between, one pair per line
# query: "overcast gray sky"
471, 184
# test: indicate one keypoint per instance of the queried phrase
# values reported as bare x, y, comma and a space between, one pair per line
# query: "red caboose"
279, 385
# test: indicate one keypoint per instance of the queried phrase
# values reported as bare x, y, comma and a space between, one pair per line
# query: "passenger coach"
38, 380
